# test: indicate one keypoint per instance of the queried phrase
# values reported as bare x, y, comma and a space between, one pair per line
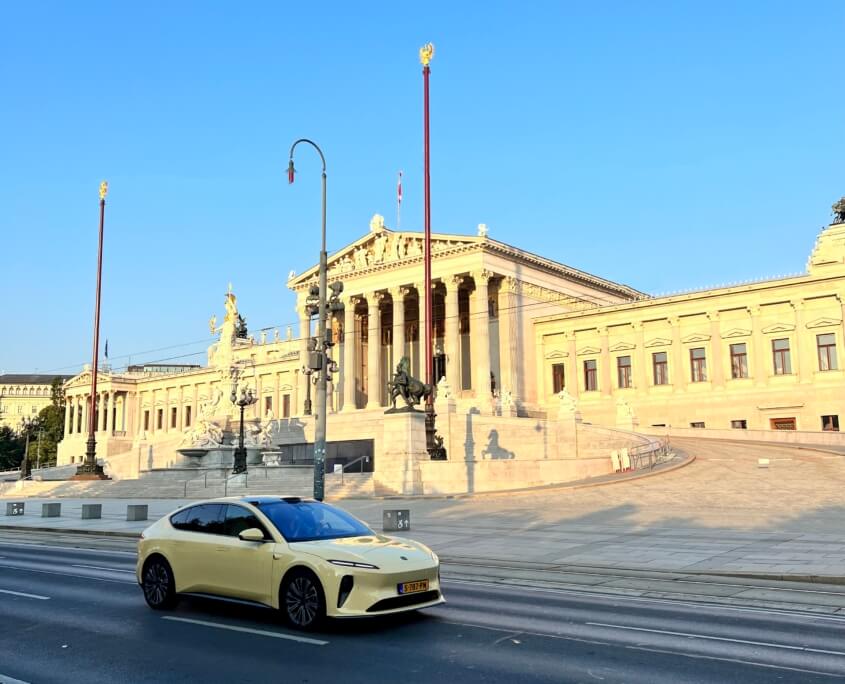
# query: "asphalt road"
76, 615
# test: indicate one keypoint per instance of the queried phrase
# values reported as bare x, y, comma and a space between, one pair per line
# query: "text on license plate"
412, 587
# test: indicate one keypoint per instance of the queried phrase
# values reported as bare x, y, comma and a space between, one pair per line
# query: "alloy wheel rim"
302, 601
156, 583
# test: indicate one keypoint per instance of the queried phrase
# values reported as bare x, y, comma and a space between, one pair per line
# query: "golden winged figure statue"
104, 189
426, 53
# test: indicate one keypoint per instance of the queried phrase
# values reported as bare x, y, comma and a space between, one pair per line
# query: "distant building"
23, 396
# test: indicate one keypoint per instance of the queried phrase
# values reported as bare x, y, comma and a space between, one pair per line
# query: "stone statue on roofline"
839, 211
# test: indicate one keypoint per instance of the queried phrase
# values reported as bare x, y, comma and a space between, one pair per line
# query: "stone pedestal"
404, 447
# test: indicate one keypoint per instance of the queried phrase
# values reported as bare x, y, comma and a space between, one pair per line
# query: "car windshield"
301, 521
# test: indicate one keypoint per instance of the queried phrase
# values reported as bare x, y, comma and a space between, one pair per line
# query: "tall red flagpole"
434, 444
426, 53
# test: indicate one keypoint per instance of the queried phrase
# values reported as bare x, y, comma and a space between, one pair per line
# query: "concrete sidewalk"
485, 533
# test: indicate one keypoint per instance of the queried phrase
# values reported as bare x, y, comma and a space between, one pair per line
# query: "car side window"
205, 518
239, 519
180, 520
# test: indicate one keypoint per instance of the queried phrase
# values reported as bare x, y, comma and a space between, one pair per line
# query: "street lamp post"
306, 371
26, 468
90, 469
318, 359
244, 399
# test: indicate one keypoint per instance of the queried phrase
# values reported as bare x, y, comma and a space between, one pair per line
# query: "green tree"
11, 448
50, 424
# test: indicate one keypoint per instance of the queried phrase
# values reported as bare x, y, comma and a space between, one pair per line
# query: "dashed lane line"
102, 567
24, 595
248, 630
708, 637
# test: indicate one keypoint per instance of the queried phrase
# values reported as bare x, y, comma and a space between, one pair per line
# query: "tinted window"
239, 519
311, 520
179, 520
205, 518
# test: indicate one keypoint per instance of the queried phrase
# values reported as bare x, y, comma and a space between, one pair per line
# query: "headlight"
352, 564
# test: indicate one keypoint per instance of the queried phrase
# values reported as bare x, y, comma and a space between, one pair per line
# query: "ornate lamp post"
89, 469
26, 466
318, 360
243, 399
306, 371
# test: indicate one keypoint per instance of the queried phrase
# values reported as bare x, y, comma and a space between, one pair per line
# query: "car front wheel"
158, 585
303, 603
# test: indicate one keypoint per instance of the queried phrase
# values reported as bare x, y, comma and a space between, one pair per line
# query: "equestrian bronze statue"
413, 391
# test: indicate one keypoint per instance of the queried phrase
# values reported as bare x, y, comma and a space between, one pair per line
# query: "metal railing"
360, 459
647, 456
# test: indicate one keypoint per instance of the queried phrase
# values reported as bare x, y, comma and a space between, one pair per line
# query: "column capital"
674, 321
797, 304
603, 331
637, 326
379, 296
713, 315
482, 275
754, 310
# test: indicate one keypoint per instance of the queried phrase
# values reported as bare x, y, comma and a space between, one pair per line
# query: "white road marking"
249, 630
85, 549
645, 599
24, 594
102, 567
65, 574
6, 679
747, 642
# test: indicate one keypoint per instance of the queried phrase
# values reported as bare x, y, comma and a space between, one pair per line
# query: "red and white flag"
399, 190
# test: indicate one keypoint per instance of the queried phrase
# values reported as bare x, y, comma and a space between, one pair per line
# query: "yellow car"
304, 557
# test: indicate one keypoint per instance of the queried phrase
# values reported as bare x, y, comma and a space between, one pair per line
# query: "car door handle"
222, 548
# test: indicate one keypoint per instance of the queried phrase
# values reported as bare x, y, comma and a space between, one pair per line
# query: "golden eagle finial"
104, 189
426, 53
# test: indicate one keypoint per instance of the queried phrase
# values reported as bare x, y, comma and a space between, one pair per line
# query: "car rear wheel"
158, 585
303, 602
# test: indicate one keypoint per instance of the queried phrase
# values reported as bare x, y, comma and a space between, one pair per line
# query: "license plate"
413, 587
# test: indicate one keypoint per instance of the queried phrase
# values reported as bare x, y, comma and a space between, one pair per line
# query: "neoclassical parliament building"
513, 333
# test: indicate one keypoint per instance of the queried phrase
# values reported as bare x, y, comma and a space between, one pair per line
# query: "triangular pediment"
658, 342
695, 337
622, 346
583, 351
779, 328
383, 248
84, 380
824, 323
735, 332
557, 354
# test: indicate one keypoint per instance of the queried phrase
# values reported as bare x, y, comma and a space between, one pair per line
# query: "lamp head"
291, 171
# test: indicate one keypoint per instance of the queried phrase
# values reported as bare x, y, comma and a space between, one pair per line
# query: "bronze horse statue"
413, 391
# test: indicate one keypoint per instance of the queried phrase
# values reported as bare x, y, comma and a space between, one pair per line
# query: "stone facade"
764, 355
23, 396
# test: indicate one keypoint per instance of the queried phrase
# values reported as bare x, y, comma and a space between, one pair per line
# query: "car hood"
387, 553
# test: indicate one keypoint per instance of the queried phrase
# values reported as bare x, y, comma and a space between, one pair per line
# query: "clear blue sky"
663, 145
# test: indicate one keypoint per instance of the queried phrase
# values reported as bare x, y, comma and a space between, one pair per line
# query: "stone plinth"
398, 468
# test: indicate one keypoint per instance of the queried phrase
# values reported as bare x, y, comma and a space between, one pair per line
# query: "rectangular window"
174, 414
159, 419
697, 425
623, 371
782, 423
739, 361
146, 420
187, 416
268, 405
830, 423
698, 364
286, 406
558, 380
661, 368
827, 351
591, 381
739, 424
780, 353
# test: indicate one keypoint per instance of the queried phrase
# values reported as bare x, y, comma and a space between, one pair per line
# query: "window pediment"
779, 328
658, 342
824, 323
622, 346
695, 337
584, 351
735, 332
557, 354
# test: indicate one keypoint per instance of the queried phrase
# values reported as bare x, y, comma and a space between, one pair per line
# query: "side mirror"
253, 534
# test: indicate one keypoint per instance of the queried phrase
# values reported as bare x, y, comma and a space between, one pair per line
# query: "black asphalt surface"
77, 615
